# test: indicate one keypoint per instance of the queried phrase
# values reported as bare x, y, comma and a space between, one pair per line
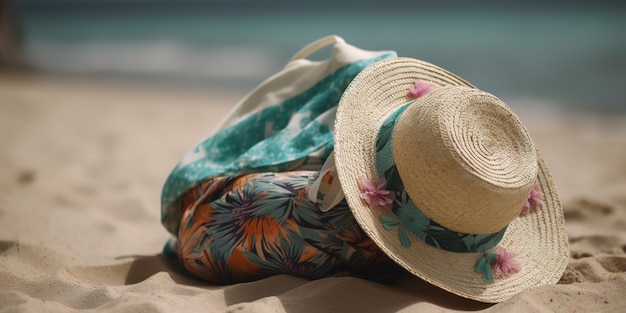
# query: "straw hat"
449, 185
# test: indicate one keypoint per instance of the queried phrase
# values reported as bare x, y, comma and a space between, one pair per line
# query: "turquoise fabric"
407, 217
279, 138
483, 266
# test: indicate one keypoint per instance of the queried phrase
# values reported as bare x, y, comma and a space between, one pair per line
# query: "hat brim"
539, 239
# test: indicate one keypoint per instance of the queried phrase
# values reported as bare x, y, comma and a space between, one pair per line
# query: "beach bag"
285, 124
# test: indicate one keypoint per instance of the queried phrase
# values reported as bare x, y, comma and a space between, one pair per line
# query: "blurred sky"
571, 53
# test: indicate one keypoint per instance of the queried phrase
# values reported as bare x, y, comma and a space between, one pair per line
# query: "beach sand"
83, 163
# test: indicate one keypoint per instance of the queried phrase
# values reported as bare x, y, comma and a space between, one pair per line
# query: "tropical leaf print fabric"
243, 228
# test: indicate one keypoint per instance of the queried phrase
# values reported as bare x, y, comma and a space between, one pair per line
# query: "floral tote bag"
237, 203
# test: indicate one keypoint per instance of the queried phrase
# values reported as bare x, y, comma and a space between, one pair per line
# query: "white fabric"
298, 75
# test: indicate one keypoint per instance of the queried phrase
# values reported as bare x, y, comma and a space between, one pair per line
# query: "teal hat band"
406, 216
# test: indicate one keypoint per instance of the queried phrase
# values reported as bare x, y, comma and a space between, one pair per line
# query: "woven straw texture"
539, 239
462, 149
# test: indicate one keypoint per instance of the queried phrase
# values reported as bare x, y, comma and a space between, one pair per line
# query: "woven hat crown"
465, 159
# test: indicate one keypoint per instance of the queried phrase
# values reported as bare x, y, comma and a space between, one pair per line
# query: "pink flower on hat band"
505, 264
534, 200
502, 263
375, 194
420, 88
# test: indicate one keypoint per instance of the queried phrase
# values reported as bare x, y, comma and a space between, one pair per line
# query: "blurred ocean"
572, 57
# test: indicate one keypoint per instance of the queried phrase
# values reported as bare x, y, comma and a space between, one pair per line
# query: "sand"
83, 163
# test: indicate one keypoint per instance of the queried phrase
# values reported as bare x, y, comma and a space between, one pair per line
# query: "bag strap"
332, 194
316, 46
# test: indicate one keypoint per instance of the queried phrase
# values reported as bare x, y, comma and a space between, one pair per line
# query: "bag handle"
316, 45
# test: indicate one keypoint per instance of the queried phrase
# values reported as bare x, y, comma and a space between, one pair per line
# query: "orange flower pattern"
242, 228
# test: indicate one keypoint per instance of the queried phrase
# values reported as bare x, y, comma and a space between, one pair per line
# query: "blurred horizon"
571, 53
271, 4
